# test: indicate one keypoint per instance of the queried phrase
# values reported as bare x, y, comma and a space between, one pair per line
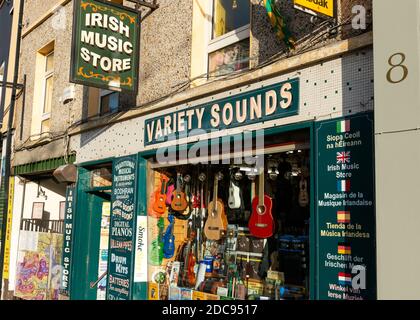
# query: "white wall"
397, 139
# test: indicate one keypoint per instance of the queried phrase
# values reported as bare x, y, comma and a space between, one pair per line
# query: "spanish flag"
343, 216
344, 248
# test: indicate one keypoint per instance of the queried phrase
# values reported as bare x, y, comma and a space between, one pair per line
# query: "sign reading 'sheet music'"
105, 45
272, 102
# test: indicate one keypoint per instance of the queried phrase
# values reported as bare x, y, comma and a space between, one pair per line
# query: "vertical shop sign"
8, 229
122, 229
68, 240
345, 208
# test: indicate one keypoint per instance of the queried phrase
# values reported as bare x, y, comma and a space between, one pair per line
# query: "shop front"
263, 192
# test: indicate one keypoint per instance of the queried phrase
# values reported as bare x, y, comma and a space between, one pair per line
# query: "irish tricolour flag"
344, 278
343, 126
343, 216
343, 185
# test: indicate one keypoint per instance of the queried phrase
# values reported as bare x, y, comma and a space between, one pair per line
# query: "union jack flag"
343, 157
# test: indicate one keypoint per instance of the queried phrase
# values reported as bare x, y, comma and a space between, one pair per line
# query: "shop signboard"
68, 241
345, 208
122, 229
276, 101
105, 46
317, 7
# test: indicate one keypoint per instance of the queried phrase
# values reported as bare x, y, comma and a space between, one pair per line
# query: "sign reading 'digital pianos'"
275, 101
346, 208
105, 46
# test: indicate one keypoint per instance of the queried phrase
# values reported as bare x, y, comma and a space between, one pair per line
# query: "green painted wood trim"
139, 291
42, 166
312, 227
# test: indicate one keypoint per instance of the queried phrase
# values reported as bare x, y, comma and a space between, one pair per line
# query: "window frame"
46, 75
223, 41
104, 93
2, 67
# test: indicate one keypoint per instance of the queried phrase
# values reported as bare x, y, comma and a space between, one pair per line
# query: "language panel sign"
346, 209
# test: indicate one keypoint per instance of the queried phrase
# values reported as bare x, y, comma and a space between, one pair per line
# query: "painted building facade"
219, 67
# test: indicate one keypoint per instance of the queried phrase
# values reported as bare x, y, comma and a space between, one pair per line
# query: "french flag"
343, 185
344, 278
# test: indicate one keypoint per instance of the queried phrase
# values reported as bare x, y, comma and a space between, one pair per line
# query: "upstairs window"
109, 101
48, 80
228, 49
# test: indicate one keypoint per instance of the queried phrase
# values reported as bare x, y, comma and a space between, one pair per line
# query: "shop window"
228, 49
210, 236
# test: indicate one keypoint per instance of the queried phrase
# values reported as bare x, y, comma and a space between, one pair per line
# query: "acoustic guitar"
179, 201
169, 193
261, 222
159, 206
169, 239
216, 223
234, 200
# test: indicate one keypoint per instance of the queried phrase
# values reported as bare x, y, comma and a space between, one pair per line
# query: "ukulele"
303, 193
216, 224
159, 206
169, 193
179, 201
234, 200
156, 254
261, 222
169, 239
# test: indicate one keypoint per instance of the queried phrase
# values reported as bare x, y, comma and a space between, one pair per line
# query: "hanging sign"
68, 241
323, 7
105, 45
272, 102
122, 229
345, 208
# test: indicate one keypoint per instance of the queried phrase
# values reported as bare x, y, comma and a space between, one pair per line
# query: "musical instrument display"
219, 221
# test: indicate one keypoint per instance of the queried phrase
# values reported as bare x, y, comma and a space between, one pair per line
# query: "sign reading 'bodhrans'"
105, 45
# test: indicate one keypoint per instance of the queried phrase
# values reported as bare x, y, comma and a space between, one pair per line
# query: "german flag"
344, 248
343, 216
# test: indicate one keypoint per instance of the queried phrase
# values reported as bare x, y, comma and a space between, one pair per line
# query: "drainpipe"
7, 161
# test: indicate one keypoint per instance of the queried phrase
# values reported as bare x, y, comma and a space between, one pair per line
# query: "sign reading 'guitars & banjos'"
105, 46
268, 103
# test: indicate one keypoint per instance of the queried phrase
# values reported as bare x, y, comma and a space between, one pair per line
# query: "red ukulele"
261, 222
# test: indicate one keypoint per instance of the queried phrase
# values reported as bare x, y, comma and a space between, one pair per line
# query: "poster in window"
37, 210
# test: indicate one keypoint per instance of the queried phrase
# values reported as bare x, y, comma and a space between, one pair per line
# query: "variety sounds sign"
105, 46
346, 209
272, 102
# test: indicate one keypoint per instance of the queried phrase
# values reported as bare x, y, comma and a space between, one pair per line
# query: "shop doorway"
91, 234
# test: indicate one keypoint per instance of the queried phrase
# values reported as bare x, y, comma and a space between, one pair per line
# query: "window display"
228, 231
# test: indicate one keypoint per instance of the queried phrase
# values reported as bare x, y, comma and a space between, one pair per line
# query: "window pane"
231, 58
229, 15
109, 102
49, 64
45, 126
48, 94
